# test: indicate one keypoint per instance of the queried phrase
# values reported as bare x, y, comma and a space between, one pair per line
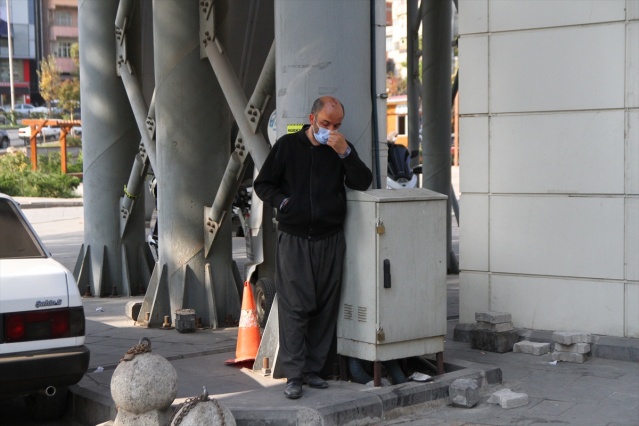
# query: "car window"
16, 239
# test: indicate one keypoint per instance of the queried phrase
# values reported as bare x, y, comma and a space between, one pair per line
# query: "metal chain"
183, 409
143, 346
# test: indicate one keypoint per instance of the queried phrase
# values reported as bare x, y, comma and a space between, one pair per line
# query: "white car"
48, 132
42, 322
22, 109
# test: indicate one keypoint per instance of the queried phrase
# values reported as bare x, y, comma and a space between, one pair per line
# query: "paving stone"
494, 342
578, 348
568, 357
570, 337
534, 348
493, 317
498, 328
508, 399
464, 393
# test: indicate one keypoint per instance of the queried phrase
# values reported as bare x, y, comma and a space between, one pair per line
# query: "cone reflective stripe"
248, 333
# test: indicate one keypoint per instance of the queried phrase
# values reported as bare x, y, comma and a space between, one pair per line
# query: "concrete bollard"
464, 393
143, 387
202, 410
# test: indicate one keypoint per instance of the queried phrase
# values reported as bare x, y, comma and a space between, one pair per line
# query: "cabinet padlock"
380, 335
379, 227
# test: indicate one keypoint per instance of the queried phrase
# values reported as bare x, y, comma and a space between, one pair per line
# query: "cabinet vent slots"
348, 311
361, 313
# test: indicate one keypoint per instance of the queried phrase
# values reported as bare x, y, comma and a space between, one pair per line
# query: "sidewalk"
598, 392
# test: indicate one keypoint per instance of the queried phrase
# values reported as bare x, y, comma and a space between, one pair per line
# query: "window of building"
18, 74
63, 18
401, 125
61, 49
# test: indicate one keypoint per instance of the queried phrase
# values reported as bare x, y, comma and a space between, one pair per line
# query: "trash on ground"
419, 377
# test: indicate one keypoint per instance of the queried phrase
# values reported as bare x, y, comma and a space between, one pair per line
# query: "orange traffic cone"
248, 334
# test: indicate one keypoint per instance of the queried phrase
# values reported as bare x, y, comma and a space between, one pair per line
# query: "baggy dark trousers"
308, 280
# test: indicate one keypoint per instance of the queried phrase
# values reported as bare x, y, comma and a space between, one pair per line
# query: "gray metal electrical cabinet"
393, 302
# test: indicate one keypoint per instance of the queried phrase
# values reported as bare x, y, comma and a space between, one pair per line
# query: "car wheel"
264, 296
4, 143
45, 407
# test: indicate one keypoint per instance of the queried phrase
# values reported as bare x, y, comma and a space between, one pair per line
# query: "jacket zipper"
310, 188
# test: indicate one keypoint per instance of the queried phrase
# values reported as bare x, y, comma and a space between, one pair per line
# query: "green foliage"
69, 95
75, 54
17, 178
73, 141
49, 77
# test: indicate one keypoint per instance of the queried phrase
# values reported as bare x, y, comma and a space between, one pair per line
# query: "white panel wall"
632, 309
474, 294
474, 131
549, 135
549, 304
508, 15
473, 254
475, 17
558, 153
632, 242
570, 68
557, 236
632, 61
475, 81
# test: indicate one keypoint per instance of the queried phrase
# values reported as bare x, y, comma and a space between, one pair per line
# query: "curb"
27, 204
347, 403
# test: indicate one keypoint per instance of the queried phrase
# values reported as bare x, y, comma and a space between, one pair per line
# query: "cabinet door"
412, 304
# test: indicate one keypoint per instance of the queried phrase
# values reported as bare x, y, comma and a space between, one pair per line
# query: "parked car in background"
22, 109
40, 110
5, 142
47, 133
42, 338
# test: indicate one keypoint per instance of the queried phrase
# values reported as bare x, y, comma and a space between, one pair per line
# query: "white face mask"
322, 135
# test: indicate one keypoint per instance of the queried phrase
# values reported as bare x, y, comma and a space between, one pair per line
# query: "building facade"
60, 32
39, 28
549, 130
23, 16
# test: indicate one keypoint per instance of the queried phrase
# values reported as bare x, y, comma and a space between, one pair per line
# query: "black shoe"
293, 388
315, 381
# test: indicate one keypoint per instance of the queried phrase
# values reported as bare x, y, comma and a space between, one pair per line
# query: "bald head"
328, 102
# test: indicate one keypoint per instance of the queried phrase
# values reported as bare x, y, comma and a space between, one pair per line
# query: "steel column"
110, 143
413, 83
436, 105
193, 147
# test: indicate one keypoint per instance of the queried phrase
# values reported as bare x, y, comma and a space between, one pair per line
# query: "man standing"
304, 177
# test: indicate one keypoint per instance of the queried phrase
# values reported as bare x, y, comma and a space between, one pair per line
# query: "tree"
69, 95
49, 77
75, 54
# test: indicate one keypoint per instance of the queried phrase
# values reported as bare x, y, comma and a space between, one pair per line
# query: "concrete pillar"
110, 143
313, 61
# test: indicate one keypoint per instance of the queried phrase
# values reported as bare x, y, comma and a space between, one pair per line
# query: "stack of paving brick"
494, 332
571, 346
533, 348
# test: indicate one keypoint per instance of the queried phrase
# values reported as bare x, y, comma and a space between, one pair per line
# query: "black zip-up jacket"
313, 179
